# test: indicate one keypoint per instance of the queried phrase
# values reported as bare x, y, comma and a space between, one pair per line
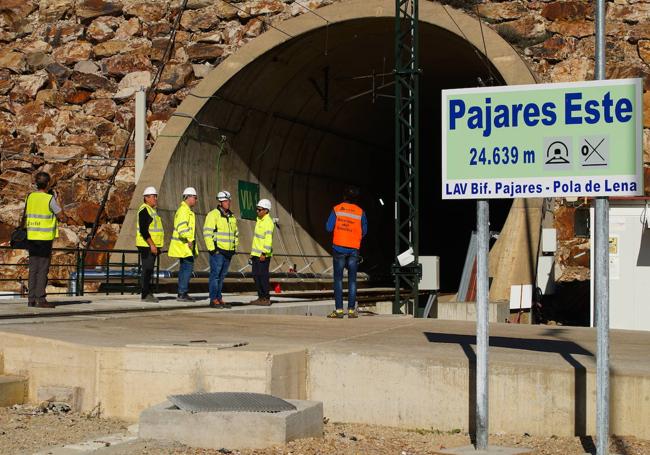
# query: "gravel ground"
24, 433
27, 429
347, 439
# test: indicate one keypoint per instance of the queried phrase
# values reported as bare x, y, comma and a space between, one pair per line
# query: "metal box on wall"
430, 273
629, 264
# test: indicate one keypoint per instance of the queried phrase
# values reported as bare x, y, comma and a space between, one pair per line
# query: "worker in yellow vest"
221, 239
183, 243
40, 219
261, 252
149, 239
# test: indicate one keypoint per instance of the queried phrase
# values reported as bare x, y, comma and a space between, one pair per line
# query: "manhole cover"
230, 401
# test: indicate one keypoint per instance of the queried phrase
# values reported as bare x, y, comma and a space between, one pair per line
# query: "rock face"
69, 70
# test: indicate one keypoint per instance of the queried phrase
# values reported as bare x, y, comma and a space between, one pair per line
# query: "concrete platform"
17, 309
233, 430
541, 378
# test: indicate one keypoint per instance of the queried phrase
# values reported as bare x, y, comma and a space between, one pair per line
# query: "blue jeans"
348, 261
218, 269
184, 274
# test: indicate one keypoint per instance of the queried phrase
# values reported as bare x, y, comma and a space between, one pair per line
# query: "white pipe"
140, 130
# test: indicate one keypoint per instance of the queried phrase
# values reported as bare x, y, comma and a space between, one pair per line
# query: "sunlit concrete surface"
388, 370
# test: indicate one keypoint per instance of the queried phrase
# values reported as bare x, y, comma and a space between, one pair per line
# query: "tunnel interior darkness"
317, 113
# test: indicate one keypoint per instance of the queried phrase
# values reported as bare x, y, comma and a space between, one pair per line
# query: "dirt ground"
21, 432
27, 430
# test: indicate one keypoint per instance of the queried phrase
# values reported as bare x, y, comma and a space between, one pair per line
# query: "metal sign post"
601, 273
544, 140
482, 318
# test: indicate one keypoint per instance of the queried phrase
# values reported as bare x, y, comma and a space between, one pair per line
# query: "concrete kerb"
233, 430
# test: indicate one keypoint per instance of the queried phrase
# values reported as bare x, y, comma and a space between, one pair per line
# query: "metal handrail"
127, 274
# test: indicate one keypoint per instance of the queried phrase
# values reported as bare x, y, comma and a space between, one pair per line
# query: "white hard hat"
189, 191
150, 191
223, 196
265, 204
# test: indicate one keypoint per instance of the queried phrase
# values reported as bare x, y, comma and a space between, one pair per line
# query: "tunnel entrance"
306, 109
316, 114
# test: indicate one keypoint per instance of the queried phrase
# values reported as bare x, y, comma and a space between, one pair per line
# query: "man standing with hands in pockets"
261, 252
221, 237
183, 243
149, 238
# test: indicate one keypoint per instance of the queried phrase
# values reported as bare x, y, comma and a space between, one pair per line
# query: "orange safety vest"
347, 230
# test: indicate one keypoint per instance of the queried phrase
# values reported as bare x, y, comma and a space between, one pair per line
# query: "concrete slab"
17, 309
232, 430
13, 390
466, 311
541, 378
90, 447
491, 450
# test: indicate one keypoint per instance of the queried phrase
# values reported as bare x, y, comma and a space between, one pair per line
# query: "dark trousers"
261, 277
38, 269
148, 261
348, 261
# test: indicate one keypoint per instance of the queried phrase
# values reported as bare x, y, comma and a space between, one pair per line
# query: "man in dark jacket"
149, 238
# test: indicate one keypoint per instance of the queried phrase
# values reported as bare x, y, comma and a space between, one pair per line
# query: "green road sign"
546, 140
249, 194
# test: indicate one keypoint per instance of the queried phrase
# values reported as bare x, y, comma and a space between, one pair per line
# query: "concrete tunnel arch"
302, 145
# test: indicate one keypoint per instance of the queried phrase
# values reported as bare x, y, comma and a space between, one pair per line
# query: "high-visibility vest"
40, 221
263, 237
221, 230
184, 228
156, 231
348, 230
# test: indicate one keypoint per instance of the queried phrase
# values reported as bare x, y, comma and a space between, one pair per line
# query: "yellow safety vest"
40, 221
222, 230
184, 227
263, 237
156, 230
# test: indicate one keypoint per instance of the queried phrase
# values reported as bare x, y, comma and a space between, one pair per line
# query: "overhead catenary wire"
125, 149
485, 52
266, 22
483, 57
23, 156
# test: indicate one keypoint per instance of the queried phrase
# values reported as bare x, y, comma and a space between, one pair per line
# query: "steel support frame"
407, 81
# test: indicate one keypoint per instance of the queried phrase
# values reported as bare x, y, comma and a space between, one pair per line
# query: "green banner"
545, 140
249, 194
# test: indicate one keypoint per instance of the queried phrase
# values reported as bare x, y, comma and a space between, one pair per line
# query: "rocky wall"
69, 70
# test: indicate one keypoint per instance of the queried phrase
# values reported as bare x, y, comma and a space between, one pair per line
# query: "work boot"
150, 298
336, 314
216, 303
184, 298
31, 303
352, 314
42, 303
264, 301
225, 305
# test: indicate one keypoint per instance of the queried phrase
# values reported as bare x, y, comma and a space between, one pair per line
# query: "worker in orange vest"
349, 224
